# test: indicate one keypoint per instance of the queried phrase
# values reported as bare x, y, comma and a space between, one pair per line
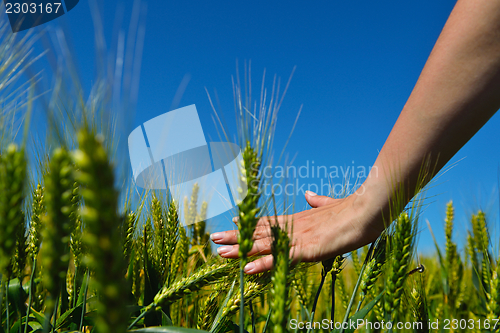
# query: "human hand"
331, 227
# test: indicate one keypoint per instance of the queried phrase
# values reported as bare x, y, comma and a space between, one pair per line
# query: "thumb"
316, 201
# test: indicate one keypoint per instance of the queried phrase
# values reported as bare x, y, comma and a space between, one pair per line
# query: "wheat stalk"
102, 233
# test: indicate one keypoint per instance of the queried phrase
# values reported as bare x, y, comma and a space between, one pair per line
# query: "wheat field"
75, 256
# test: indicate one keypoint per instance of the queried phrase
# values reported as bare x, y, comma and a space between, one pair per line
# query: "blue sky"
356, 64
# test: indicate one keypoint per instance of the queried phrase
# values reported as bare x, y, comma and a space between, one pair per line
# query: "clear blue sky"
357, 63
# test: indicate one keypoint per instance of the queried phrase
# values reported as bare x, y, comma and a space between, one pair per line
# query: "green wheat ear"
180, 256
298, 282
494, 303
356, 261
37, 214
192, 283
21, 253
171, 239
129, 232
255, 286
279, 291
101, 236
374, 267
158, 240
58, 225
12, 180
248, 208
419, 303
480, 230
200, 236
76, 220
454, 265
451, 248
401, 252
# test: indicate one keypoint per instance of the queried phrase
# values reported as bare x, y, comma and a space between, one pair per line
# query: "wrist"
371, 202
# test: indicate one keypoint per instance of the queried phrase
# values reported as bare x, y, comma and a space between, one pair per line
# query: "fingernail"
224, 249
249, 268
217, 236
235, 219
311, 193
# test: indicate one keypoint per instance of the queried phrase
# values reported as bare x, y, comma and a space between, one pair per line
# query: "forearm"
457, 92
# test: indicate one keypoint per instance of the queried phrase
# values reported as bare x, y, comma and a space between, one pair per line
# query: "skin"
457, 92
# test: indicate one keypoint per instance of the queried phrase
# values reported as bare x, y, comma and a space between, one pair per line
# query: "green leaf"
168, 329
71, 316
35, 326
217, 320
17, 296
82, 297
83, 288
15, 328
135, 308
444, 273
151, 286
267, 321
236, 328
361, 314
130, 269
40, 318
165, 320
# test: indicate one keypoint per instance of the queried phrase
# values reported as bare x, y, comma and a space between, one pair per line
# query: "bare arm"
457, 92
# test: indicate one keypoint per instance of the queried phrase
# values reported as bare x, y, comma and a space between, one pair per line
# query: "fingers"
260, 265
225, 237
268, 220
266, 263
316, 201
260, 247
231, 237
